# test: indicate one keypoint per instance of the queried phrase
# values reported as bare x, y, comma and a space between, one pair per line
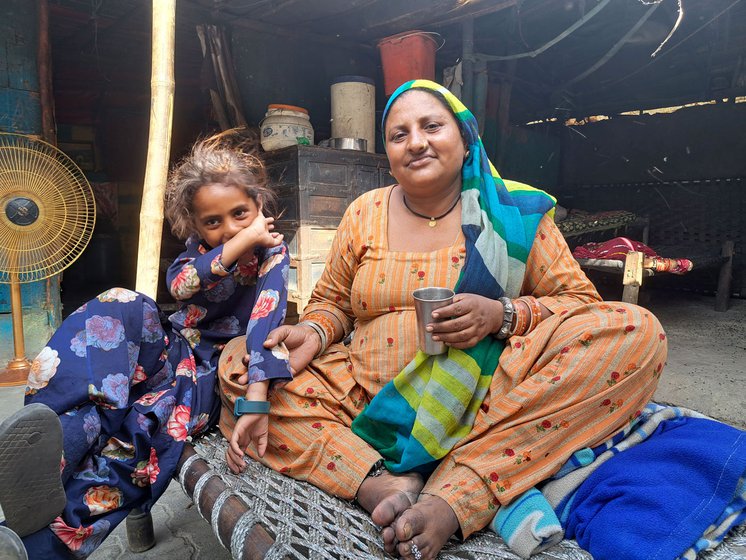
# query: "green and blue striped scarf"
417, 418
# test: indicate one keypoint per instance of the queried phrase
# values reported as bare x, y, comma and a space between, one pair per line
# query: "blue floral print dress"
129, 390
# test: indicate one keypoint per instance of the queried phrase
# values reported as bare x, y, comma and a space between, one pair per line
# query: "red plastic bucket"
407, 56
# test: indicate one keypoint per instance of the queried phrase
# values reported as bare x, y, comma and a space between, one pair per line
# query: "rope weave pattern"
198, 492
240, 531
185, 469
215, 514
308, 524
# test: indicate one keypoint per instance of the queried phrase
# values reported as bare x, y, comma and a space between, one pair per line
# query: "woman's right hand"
302, 342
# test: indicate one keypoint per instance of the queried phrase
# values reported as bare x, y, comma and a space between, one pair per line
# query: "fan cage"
36, 175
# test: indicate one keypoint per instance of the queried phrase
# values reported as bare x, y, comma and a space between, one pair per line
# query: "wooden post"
43, 62
159, 146
467, 55
725, 278
632, 279
503, 112
481, 86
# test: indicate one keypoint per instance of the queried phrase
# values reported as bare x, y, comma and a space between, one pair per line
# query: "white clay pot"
285, 125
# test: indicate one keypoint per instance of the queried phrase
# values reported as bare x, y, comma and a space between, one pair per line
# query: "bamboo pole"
159, 146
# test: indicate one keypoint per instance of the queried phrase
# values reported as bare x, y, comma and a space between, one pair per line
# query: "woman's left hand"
468, 320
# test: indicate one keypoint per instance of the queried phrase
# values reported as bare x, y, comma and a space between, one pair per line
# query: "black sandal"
31, 491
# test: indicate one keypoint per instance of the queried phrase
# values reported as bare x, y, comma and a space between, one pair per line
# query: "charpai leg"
140, 534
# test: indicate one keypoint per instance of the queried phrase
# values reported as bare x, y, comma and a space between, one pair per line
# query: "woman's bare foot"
428, 524
386, 497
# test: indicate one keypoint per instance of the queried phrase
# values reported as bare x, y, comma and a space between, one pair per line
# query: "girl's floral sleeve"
196, 269
268, 313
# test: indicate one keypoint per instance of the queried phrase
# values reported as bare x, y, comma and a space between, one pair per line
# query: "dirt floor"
706, 367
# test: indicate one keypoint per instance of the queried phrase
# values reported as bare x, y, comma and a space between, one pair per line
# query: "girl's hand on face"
261, 230
258, 233
466, 321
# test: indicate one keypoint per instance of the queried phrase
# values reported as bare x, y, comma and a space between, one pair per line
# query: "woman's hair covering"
499, 218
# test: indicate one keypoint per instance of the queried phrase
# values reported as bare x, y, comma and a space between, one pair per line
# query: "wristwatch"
508, 312
243, 406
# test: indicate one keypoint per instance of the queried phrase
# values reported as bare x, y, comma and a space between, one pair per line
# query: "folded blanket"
616, 250
528, 525
657, 499
677, 489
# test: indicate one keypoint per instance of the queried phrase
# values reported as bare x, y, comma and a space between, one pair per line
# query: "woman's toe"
410, 549
390, 507
389, 539
409, 524
423, 529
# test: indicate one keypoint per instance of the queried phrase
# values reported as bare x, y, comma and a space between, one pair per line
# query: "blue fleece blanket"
668, 486
655, 500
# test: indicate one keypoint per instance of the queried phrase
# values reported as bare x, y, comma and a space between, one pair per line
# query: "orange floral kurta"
573, 381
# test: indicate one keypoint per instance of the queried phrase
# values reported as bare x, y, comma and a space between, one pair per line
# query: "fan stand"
17, 370
47, 219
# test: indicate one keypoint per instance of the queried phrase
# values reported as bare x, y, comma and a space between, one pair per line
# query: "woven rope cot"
264, 514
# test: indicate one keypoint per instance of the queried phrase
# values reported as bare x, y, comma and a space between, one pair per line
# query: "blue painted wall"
20, 111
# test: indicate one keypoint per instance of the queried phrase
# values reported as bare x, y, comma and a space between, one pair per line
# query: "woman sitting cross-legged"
430, 446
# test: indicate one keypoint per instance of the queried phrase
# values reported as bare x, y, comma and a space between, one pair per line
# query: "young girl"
129, 391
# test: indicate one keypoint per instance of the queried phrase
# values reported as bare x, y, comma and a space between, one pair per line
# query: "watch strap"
243, 406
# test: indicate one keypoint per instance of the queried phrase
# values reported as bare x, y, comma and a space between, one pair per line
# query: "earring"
466, 155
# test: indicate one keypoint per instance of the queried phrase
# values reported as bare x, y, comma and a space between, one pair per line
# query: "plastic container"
407, 56
285, 125
353, 100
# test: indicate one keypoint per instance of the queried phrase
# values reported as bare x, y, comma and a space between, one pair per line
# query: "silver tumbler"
427, 300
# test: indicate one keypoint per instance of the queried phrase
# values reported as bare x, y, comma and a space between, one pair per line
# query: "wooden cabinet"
314, 187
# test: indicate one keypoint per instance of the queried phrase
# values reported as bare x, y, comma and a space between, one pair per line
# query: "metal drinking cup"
427, 300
